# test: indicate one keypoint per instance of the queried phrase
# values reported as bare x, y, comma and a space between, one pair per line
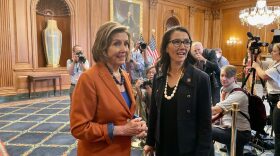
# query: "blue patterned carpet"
40, 127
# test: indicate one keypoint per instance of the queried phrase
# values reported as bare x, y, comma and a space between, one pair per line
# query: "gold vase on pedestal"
52, 39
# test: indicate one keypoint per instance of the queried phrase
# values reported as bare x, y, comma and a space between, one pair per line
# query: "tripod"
252, 72
259, 140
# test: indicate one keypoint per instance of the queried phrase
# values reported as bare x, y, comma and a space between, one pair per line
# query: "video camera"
81, 56
255, 44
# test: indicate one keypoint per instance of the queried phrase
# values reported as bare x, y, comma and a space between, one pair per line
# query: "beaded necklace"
115, 79
174, 90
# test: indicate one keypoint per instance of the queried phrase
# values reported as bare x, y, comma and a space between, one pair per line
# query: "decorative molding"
192, 11
52, 8
153, 2
215, 1
6, 62
208, 15
216, 14
33, 6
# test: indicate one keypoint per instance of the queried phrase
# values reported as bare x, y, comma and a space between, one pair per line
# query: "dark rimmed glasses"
178, 42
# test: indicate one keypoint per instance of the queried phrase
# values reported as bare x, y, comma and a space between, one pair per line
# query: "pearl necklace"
174, 90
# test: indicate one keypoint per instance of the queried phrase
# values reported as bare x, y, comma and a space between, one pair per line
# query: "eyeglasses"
178, 42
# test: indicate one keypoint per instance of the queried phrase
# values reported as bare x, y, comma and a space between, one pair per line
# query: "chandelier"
260, 15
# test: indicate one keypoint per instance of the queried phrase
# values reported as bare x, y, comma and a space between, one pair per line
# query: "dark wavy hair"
164, 60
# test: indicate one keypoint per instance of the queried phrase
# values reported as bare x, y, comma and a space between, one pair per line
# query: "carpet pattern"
37, 128
40, 127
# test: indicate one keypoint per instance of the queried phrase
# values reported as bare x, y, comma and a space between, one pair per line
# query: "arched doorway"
59, 11
171, 22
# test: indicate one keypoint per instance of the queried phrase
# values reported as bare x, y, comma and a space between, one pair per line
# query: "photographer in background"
138, 62
144, 92
272, 77
76, 66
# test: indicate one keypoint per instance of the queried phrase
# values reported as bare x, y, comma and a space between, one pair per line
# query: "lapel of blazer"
160, 84
106, 77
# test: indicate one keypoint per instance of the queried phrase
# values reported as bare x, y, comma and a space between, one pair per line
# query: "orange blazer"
96, 101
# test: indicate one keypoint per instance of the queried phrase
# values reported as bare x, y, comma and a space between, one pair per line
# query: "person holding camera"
138, 62
103, 105
207, 61
144, 91
76, 66
272, 77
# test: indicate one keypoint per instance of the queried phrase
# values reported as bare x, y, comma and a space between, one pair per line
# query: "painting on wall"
128, 13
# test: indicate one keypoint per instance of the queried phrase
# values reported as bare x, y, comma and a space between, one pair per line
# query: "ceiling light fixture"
260, 15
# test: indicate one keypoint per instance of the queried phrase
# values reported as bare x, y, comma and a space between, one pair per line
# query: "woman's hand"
278, 105
138, 83
143, 130
133, 127
148, 150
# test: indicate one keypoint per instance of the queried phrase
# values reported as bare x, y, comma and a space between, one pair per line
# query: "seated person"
222, 133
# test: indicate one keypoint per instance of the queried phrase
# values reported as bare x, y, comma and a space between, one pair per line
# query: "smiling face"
118, 49
176, 49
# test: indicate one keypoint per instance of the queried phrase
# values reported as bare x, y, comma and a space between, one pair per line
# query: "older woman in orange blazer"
103, 105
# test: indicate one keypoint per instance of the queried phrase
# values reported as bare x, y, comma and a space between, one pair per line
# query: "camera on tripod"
256, 44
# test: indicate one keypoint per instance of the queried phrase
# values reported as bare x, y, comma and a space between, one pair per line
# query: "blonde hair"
75, 47
104, 39
197, 43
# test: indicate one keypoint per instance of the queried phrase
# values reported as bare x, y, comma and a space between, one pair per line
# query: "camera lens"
143, 45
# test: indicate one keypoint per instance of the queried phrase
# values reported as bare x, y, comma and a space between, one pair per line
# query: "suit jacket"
193, 112
96, 102
212, 61
212, 67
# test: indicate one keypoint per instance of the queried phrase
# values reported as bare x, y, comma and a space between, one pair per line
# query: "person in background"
247, 65
276, 121
180, 113
144, 92
207, 61
272, 77
222, 133
222, 61
138, 63
103, 105
76, 66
